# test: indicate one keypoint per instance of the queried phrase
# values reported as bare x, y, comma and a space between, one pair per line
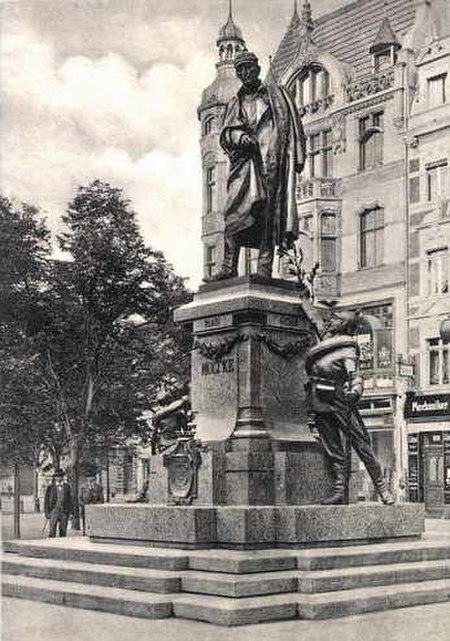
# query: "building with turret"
371, 83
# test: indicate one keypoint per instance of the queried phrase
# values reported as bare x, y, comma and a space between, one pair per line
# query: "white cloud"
68, 122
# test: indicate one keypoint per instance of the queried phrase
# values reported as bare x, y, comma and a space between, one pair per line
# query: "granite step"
223, 611
142, 579
82, 549
89, 597
215, 560
370, 576
228, 611
374, 554
239, 585
332, 605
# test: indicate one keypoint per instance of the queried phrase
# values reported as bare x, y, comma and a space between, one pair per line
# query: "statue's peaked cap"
245, 57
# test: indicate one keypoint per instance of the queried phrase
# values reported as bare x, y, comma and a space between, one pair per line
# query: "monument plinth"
258, 476
250, 336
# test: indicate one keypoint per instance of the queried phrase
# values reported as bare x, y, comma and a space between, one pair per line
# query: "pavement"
31, 526
29, 620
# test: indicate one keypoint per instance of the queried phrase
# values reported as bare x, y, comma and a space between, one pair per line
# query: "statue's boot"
382, 489
338, 496
229, 268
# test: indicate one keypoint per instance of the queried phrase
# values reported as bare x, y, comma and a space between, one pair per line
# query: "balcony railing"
317, 106
319, 188
370, 85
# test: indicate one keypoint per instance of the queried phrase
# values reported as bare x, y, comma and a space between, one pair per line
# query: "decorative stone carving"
370, 85
318, 188
216, 351
182, 465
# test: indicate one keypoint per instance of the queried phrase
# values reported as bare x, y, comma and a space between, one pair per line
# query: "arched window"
208, 125
311, 85
328, 258
371, 230
211, 189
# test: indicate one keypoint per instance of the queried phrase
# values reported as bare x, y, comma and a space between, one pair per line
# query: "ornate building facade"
371, 83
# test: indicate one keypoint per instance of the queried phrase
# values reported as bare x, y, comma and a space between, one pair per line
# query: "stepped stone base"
229, 587
244, 527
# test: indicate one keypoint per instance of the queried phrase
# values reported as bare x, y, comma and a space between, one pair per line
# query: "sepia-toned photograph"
225, 320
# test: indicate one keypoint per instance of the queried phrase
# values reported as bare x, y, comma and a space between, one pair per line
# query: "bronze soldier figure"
333, 391
264, 140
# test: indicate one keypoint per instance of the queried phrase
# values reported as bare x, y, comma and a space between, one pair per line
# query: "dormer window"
384, 59
385, 47
310, 85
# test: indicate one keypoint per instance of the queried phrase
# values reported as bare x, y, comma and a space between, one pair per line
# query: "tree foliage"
96, 328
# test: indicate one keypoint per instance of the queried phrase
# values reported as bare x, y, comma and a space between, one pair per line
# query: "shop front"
428, 420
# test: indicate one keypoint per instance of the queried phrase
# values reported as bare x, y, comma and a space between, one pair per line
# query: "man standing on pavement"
58, 504
91, 492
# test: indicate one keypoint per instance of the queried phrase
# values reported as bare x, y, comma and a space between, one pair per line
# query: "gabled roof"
348, 33
385, 37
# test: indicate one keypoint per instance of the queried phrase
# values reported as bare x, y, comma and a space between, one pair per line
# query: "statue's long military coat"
261, 186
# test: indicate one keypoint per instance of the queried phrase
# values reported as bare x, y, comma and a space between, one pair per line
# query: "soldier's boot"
382, 489
229, 268
338, 495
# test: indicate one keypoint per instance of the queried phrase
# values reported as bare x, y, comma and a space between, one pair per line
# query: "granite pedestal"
261, 475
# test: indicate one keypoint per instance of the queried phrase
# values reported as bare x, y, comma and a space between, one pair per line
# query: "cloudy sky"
108, 89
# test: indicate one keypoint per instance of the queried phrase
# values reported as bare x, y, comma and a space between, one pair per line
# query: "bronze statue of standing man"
264, 140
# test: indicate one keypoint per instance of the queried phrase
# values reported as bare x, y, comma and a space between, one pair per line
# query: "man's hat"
59, 473
245, 58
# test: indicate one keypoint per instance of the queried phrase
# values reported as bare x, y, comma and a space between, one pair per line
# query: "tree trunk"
16, 516
37, 507
75, 463
108, 481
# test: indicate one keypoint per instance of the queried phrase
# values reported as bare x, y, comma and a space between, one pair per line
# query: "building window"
436, 179
375, 338
414, 189
436, 90
211, 189
384, 59
310, 86
321, 154
328, 259
372, 237
210, 260
438, 362
208, 125
438, 272
432, 183
371, 137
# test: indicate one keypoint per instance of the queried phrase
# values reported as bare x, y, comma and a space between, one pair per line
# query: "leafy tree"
27, 412
108, 341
